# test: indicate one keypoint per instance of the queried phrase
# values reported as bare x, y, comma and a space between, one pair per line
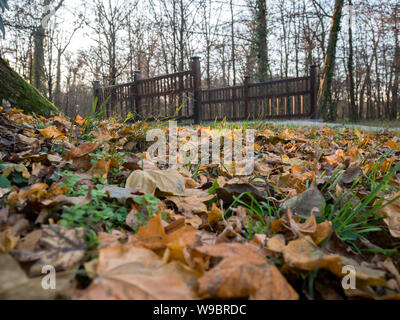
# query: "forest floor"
373, 125
317, 217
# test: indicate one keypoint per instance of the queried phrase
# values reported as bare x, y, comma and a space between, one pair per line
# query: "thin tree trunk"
350, 66
233, 52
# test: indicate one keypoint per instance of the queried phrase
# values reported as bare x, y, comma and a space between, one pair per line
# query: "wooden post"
246, 97
313, 88
96, 92
196, 71
138, 93
96, 89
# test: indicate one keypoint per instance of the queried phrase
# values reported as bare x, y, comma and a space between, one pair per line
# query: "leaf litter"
86, 198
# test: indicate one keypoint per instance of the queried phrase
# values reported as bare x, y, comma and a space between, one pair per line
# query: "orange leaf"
82, 150
153, 235
214, 215
392, 144
80, 120
101, 168
52, 133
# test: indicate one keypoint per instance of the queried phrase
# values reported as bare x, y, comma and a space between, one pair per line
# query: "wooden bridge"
180, 95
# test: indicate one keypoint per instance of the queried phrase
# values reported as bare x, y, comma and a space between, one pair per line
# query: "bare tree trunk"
396, 67
38, 59
233, 45
57, 93
38, 40
326, 107
350, 66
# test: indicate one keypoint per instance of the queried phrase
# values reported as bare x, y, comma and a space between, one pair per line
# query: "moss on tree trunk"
21, 94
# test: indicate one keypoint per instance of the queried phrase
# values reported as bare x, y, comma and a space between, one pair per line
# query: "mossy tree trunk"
21, 94
326, 107
261, 39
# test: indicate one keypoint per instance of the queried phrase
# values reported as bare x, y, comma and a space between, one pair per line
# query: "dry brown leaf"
131, 273
59, 247
324, 230
153, 236
168, 182
192, 202
369, 293
308, 227
8, 240
15, 285
101, 169
392, 212
305, 203
238, 277
108, 240
83, 150
214, 215
305, 255
276, 243
318, 232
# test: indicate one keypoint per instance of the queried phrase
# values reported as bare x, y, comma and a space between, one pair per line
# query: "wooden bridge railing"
180, 95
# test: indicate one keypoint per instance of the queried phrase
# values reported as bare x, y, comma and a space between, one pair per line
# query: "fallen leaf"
131, 273
214, 215
351, 174
8, 240
305, 203
192, 202
153, 236
236, 189
305, 255
59, 247
82, 150
392, 214
101, 168
52, 133
120, 194
15, 285
169, 182
243, 273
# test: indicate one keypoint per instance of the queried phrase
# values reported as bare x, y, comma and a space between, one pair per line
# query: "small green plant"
94, 216
259, 209
92, 119
356, 218
150, 202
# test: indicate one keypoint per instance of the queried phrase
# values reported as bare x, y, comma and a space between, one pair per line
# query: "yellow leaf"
52, 133
214, 215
